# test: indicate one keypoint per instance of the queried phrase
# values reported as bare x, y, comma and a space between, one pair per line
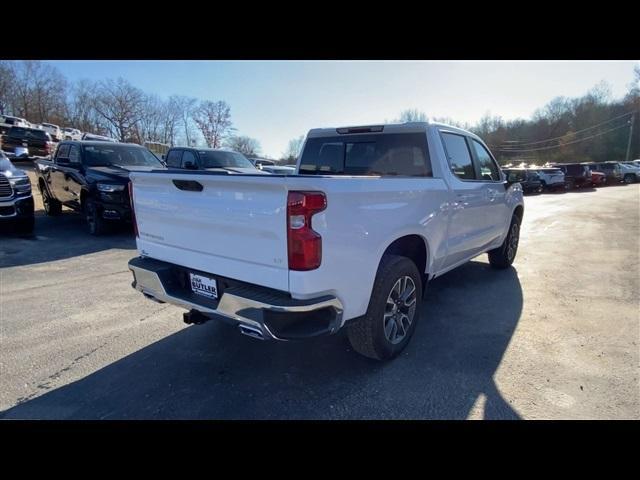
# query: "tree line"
592, 127
38, 92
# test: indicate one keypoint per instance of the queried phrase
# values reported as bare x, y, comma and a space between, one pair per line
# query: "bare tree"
248, 146
37, 91
121, 105
214, 121
293, 149
152, 120
7, 80
184, 107
81, 112
412, 115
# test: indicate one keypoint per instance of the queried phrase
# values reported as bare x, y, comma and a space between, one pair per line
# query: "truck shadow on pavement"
212, 372
57, 238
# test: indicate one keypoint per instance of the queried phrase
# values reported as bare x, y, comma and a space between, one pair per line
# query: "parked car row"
569, 176
29, 138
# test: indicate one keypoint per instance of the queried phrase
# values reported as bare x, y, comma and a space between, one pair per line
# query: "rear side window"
63, 152
458, 155
173, 158
488, 168
393, 154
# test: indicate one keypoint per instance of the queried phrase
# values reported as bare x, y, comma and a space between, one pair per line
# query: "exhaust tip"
251, 331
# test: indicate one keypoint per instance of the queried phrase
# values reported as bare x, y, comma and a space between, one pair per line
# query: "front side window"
223, 159
189, 157
74, 154
458, 156
174, 158
488, 168
120, 156
393, 154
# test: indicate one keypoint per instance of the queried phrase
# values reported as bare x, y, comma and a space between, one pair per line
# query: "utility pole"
633, 117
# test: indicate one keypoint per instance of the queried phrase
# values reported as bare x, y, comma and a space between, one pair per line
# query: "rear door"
74, 177
469, 229
494, 198
58, 182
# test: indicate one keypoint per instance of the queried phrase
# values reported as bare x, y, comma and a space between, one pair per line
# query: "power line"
572, 133
564, 144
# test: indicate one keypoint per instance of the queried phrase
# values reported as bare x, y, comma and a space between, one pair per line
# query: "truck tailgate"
234, 227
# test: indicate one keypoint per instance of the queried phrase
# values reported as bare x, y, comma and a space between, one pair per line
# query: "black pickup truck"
93, 178
37, 142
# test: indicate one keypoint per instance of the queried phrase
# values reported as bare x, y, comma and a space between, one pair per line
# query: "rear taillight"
133, 212
304, 244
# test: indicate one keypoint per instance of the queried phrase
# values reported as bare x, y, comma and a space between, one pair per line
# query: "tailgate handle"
189, 185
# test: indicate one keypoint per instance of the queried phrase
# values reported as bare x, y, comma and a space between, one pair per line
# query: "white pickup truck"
351, 240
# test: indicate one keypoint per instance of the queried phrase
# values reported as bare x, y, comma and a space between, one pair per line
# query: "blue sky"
275, 101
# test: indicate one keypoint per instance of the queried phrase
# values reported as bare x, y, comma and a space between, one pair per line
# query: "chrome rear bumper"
268, 315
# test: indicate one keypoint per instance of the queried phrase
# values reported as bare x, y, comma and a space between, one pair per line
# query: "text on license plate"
204, 285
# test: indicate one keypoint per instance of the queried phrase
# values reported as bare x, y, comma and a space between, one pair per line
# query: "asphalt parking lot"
555, 337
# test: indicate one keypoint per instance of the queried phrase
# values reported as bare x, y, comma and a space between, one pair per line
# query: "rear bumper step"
258, 312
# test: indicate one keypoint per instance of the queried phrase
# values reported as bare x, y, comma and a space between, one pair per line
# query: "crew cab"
351, 240
551, 178
53, 130
576, 175
16, 200
92, 178
22, 142
528, 179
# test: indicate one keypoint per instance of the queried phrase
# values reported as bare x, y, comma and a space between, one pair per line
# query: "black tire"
95, 223
570, 185
52, 207
503, 256
629, 178
25, 226
367, 334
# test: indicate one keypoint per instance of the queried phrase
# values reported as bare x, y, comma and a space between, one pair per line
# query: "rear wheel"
505, 254
629, 178
570, 185
394, 309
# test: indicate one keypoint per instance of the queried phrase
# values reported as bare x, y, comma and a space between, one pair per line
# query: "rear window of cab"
390, 154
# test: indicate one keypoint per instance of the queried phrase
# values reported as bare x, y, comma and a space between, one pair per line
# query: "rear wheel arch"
519, 211
415, 248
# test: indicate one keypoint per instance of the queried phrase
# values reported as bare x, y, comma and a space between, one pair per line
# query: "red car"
598, 179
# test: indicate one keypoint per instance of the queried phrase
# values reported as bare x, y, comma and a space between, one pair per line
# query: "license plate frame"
203, 285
